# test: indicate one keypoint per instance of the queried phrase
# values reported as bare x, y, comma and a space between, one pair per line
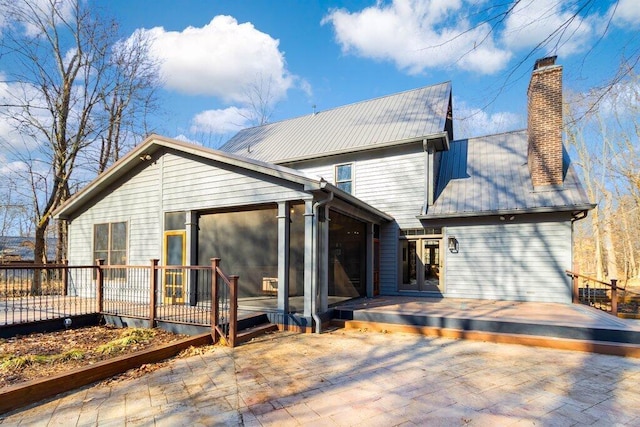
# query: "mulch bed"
40, 355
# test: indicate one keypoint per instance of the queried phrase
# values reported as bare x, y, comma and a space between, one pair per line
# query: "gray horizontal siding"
136, 202
392, 181
190, 185
394, 184
524, 262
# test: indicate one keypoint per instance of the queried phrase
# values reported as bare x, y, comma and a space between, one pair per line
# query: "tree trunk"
612, 259
39, 257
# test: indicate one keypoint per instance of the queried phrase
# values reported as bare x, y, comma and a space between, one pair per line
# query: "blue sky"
323, 54
332, 53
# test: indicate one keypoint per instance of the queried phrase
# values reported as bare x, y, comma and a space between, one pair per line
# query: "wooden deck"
545, 324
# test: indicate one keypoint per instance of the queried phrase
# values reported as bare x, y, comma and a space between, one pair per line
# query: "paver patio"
361, 378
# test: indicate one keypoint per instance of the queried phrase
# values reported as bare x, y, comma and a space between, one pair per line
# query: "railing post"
233, 315
99, 285
214, 299
153, 289
614, 297
65, 277
576, 284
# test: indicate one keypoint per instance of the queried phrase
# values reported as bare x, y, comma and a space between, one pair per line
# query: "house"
370, 198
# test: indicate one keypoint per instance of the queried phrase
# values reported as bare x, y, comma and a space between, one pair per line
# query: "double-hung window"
344, 177
110, 244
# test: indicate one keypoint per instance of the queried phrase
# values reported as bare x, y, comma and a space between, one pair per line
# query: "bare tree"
66, 75
607, 140
496, 14
134, 78
260, 101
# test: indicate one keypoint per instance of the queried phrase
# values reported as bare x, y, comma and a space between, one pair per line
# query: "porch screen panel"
296, 258
247, 243
347, 256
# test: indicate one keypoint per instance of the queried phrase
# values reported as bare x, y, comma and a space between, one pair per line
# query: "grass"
127, 338
12, 363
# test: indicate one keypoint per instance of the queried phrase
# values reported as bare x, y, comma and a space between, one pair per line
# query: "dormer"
433, 147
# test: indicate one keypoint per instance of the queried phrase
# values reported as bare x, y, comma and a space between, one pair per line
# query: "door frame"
171, 273
404, 262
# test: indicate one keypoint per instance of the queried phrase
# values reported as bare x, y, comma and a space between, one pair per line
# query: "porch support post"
309, 262
369, 260
191, 226
323, 262
153, 292
284, 217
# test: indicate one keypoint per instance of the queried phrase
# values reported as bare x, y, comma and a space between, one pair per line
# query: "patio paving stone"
358, 378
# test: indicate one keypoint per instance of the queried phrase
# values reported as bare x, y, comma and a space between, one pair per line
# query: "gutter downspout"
425, 205
314, 278
578, 216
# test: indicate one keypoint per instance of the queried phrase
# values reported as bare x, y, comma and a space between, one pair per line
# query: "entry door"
422, 265
175, 254
431, 265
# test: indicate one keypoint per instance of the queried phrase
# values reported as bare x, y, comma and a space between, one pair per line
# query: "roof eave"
152, 144
353, 200
545, 209
371, 147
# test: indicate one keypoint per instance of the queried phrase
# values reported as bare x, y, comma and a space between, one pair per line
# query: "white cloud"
14, 93
221, 122
627, 12
11, 168
221, 59
184, 138
27, 14
554, 25
418, 35
472, 121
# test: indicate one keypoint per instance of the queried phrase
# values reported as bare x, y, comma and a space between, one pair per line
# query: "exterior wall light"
453, 244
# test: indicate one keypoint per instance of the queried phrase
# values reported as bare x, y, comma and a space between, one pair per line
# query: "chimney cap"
545, 62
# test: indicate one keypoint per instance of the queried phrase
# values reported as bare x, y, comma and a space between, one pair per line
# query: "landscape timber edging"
26, 393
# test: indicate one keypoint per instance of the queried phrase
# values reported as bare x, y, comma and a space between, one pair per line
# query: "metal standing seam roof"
154, 143
490, 174
403, 116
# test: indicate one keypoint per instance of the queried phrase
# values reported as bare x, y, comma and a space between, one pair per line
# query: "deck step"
589, 346
255, 331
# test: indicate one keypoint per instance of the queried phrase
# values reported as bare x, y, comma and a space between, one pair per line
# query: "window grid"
344, 177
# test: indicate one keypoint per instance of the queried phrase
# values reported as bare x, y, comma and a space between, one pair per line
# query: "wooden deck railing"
224, 311
594, 292
35, 293
152, 293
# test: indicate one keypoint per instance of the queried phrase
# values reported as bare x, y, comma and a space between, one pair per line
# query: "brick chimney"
545, 123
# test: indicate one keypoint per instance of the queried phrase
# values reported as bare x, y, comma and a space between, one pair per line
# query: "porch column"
191, 228
369, 260
309, 261
284, 216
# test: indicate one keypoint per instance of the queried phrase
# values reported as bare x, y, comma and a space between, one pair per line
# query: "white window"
344, 177
110, 245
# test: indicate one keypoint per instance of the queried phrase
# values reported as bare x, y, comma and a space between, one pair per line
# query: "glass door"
174, 255
421, 265
431, 264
